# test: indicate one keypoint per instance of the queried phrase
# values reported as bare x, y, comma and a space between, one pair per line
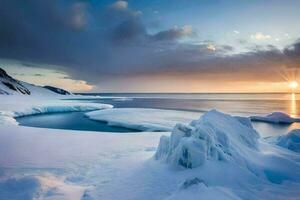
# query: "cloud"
113, 43
128, 30
211, 47
174, 33
260, 36
120, 5
77, 16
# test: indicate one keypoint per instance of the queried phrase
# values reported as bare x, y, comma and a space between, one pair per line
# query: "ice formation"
215, 136
144, 119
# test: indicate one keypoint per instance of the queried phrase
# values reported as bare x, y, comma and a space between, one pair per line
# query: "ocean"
234, 104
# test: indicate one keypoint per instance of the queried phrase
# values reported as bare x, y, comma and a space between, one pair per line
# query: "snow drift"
290, 141
7, 117
215, 136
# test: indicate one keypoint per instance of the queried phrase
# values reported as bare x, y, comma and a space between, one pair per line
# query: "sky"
152, 45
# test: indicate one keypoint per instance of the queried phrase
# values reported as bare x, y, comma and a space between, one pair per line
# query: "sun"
293, 84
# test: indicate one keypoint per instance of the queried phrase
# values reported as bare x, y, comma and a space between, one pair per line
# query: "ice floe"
276, 117
143, 119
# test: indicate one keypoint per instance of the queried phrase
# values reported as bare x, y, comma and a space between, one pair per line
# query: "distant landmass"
9, 86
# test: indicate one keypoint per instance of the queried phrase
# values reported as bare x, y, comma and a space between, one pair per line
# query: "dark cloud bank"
95, 43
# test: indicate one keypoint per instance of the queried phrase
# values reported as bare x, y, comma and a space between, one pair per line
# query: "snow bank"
290, 141
215, 136
60, 108
13, 106
143, 119
276, 117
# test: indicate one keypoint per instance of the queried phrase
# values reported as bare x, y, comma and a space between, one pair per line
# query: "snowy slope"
9, 85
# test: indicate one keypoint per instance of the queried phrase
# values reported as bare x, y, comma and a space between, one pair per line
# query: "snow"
218, 139
289, 141
97, 163
11, 86
147, 119
143, 118
207, 193
40, 91
276, 117
44, 186
228, 160
12, 106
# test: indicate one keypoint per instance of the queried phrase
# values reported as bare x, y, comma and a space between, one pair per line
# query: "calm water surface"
236, 104
71, 121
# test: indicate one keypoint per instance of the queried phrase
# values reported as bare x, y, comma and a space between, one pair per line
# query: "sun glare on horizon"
293, 85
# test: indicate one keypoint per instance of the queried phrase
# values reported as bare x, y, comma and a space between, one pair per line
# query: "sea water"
235, 104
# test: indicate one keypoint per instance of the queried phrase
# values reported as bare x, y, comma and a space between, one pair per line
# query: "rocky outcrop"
12, 84
57, 90
9, 85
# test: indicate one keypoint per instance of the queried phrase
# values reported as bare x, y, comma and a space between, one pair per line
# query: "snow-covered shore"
12, 106
38, 163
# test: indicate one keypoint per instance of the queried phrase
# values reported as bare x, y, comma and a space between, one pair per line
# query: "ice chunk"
215, 136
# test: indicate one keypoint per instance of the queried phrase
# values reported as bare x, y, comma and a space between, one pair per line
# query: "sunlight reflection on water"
293, 107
